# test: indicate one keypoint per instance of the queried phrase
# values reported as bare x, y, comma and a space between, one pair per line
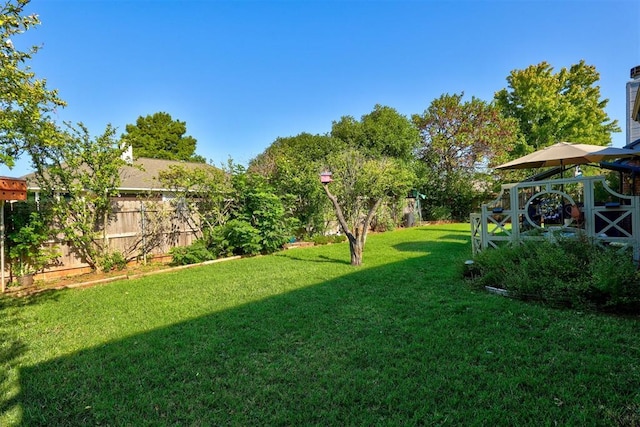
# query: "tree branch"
339, 214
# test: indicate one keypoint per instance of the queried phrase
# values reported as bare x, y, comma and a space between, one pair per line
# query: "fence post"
144, 234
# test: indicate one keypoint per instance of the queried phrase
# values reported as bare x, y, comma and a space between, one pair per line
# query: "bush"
383, 219
568, 272
236, 237
195, 253
112, 261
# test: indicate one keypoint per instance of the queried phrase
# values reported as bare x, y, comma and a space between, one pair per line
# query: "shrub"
195, 253
112, 261
236, 237
320, 239
569, 272
383, 220
26, 242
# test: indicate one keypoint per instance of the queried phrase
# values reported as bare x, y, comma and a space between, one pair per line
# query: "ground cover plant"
303, 338
573, 272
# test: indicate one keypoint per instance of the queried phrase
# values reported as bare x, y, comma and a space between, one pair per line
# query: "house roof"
141, 176
144, 172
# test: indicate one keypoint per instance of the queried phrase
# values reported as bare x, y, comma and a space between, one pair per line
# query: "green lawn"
303, 338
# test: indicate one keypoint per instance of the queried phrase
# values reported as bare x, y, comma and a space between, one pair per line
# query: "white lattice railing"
535, 210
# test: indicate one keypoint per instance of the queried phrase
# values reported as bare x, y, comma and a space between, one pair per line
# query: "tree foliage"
379, 146
204, 194
374, 167
78, 175
25, 101
552, 107
291, 165
259, 206
238, 213
360, 184
383, 132
159, 136
458, 141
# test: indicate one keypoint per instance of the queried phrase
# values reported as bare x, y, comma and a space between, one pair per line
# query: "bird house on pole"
13, 188
325, 177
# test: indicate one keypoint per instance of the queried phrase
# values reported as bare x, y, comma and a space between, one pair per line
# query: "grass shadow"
319, 258
404, 343
12, 348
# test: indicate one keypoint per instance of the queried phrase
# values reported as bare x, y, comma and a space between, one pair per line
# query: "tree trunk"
358, 237
355, 246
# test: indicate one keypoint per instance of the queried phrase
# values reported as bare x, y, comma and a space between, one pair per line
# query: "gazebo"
542, 208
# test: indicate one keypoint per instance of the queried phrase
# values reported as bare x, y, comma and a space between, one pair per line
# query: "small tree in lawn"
359, 186
78, 175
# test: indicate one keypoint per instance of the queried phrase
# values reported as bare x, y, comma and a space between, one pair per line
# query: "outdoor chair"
576, 215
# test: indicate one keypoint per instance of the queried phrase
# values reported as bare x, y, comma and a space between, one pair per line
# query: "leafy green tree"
159, 136
383, 132
25, 101
459, 139
235, 212
552, 107
360, 185
78, 175
259, 206
374, 167
291, 166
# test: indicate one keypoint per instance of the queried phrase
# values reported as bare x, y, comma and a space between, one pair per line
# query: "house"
629, 169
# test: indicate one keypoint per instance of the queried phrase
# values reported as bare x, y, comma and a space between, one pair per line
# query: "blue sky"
242, 73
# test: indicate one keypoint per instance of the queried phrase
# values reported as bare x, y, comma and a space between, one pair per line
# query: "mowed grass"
303, 338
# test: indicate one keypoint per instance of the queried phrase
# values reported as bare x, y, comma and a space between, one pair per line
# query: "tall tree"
383, 132
159, 136
25, 101
552, 107
459, 139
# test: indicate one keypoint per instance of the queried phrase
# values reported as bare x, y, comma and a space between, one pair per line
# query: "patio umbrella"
566, 153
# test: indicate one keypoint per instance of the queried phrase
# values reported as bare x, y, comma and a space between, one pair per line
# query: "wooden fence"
140, 230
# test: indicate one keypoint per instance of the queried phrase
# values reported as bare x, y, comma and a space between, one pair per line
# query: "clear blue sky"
242, 73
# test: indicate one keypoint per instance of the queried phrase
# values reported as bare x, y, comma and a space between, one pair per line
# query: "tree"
25, 101
458, 141
291, 166
374, 167
204, 193
260, 208
158, 136
552, 107
78, 175
383, 132
237, 212
360, 185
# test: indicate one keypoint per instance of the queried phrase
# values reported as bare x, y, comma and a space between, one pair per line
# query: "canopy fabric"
566, 153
